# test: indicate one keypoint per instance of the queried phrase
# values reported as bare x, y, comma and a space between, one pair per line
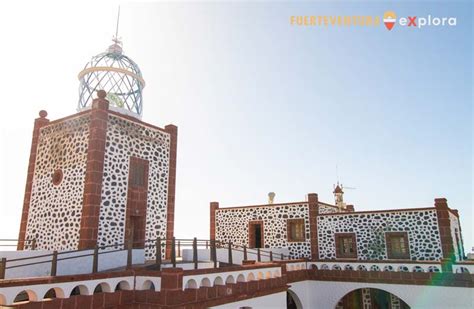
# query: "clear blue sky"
262, 105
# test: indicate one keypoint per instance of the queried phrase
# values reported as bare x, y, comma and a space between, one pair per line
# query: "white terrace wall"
222, 255
273, 301
63, 289
78, 265
421, 226
232, 224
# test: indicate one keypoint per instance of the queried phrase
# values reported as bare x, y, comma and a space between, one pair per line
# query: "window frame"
395, 256
143, 164
339, 242
290, 222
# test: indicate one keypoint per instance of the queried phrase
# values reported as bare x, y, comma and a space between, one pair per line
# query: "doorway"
137, 196
256, 234
136, 231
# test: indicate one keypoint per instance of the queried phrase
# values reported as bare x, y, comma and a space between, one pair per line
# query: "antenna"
116, 48
118, 21
338, 183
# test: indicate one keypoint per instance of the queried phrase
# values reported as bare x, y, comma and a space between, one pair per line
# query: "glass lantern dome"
119, 76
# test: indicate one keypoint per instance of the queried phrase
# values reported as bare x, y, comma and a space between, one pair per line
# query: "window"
346, 245
296, 232
397, 245
138, 172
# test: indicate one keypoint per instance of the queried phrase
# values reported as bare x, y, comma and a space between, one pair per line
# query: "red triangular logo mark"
389, 24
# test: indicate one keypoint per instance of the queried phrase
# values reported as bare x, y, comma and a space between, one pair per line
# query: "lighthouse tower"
101, 176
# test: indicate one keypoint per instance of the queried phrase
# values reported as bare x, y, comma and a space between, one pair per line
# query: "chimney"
271, 197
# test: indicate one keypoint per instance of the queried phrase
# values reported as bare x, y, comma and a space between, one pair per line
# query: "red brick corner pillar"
442, 212
94, 172
173, 131
171, 283
313, 224
39, 123
214, 206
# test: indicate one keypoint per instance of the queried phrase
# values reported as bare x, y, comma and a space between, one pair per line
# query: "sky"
260, 105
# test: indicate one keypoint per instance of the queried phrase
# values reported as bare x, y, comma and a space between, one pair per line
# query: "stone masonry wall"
232, 224
55, 209
126, 138
421, 226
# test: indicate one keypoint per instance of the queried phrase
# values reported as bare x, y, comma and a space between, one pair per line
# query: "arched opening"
191, 284
250, 277
418, 269
241, 278
54, 293
230, 279
148, 285
50, 294
122, 286
102, 288
25, 296
292, 300
461, 270
370, 298
218, 281
268, 275
2, 300
206, 282
433, 269
259, 275
80, 290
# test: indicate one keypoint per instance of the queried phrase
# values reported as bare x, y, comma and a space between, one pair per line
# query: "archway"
25, 296
54, 293
292, 300
148, 285
370, 298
